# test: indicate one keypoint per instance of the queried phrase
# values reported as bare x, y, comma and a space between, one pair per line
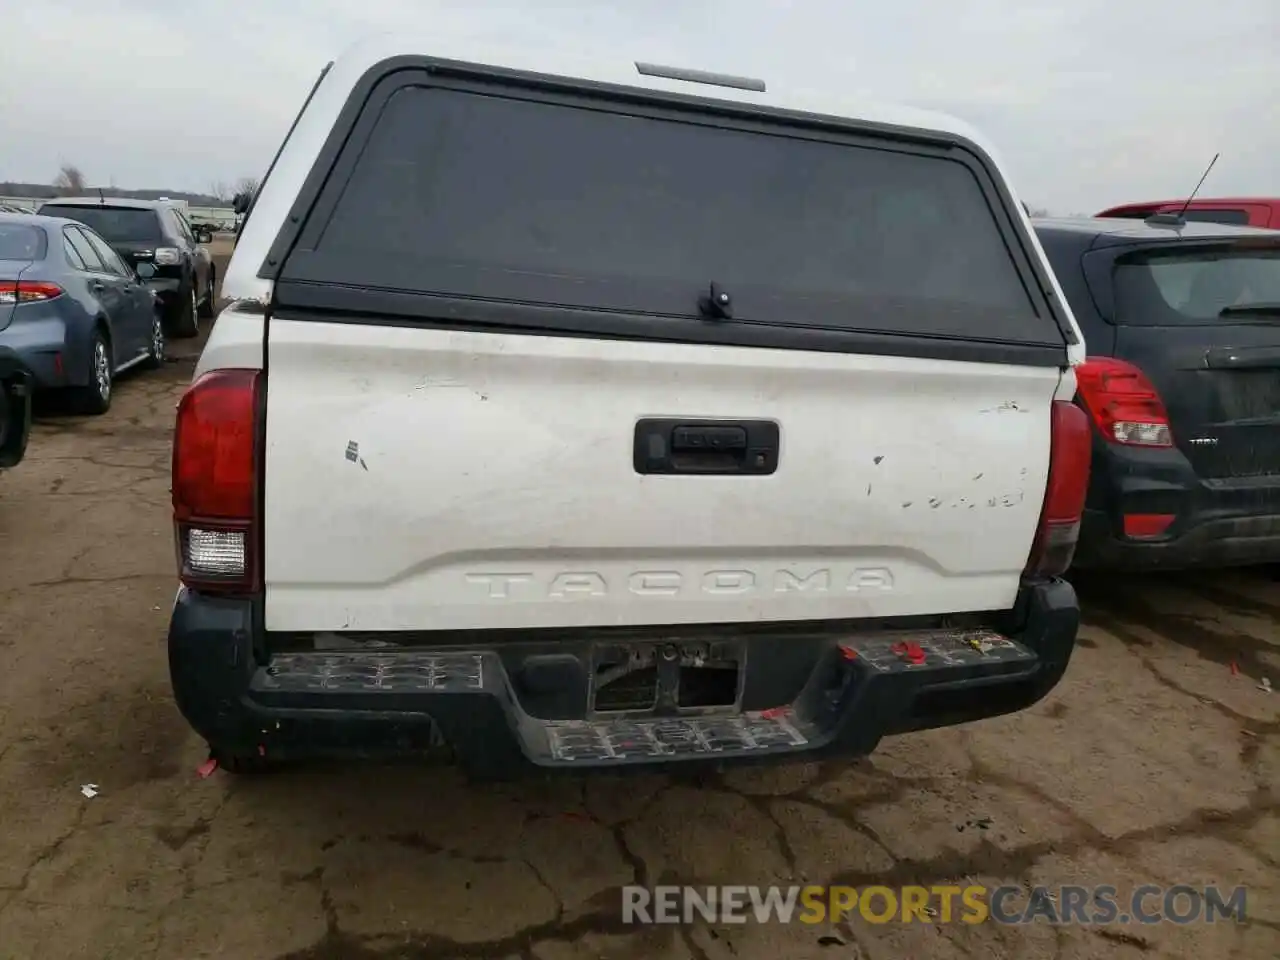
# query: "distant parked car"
1182, 384
155, 232
71, 310
1240, 211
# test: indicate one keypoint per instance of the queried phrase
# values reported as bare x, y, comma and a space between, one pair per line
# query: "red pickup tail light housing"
1123, 403
1070, 451
217, 459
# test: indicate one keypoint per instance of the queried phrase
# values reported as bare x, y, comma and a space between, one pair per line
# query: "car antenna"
102, 201
1176, 219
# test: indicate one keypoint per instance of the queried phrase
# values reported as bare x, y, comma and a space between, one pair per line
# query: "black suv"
1182, 322
155, 232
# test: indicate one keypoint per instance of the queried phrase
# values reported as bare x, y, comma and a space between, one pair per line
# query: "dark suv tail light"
1124, 404
216, 461
1070, 449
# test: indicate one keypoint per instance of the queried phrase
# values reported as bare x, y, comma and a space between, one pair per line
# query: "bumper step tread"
938, 650
359, 672
620, 740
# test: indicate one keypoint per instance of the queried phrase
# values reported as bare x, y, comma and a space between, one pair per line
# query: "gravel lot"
1152, 763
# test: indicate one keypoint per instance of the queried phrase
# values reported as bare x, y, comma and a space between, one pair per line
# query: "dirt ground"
1153, 762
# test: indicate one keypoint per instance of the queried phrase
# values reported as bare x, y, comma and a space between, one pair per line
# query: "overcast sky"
1092, 102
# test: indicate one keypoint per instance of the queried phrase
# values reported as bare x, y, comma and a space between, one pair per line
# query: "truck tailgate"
426, 479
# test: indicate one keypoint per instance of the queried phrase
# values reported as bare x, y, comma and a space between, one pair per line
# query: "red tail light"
215, 482
1124, 404
1069, 454
28, 291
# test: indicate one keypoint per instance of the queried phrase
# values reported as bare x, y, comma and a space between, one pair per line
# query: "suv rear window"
469, 195
1205, 215
21, 241
113, 224
1163, 288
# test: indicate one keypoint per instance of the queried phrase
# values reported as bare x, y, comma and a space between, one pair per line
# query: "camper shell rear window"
551, 205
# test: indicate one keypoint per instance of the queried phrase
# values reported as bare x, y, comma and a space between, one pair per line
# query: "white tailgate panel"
431, 479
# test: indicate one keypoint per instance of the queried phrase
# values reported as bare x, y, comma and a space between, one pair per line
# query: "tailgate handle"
708, 439
1242, 358
715, 447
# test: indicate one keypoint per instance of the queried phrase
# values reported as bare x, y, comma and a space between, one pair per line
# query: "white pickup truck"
593, 414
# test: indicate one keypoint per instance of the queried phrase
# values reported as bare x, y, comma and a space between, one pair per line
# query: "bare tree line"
228, 194
70, 181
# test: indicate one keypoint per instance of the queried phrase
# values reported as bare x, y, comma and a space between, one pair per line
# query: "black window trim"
184, 231
352, 305
69, 250
113, 262
337, 158
100, 269
253, 200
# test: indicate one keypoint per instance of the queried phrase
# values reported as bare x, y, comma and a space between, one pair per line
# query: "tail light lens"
28, 291
1123, 403
1069, 454
216, 456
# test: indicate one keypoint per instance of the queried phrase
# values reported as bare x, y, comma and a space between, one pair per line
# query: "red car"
1242, 211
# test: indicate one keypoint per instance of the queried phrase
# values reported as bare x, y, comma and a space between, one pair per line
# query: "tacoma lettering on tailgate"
572, 584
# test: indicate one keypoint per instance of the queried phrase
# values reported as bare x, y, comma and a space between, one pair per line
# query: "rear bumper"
814, 691
16, 386
1204, 542
41, 345
1216, 523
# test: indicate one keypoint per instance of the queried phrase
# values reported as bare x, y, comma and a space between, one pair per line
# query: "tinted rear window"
113, 224
1238, 217
21, 241
477, 196
1193, 287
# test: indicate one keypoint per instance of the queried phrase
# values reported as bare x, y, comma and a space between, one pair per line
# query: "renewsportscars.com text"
1086, 905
